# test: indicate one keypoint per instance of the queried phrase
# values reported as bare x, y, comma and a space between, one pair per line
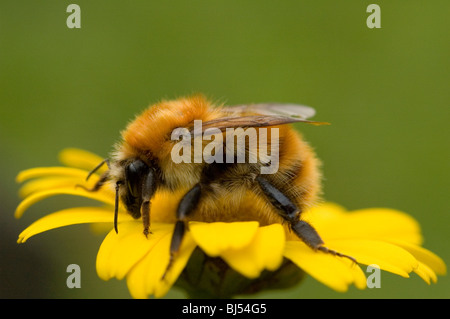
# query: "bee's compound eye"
134, 173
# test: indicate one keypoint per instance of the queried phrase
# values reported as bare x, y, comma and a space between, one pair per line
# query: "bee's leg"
148, 189
116, 206
290, 212
187, 204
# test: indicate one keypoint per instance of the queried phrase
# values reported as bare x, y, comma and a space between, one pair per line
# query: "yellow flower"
250, 255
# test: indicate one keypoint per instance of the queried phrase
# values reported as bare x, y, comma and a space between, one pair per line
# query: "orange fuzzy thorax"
151, 130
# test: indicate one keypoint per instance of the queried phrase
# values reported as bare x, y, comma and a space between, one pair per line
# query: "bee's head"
139, 184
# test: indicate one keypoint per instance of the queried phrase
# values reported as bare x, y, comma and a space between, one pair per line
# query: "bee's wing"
249, 121
278, 109
259, 115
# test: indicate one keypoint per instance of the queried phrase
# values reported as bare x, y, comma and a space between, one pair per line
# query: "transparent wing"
259, 115
248, 121
276, 109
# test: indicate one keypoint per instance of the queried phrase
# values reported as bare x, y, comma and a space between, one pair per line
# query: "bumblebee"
227, 191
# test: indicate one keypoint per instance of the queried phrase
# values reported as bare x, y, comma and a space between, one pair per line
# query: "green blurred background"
385, 91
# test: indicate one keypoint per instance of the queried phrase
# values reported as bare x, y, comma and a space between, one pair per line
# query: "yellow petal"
68, 217
50, 171
119, 252
336, 272
74, 157
373, 223
215, 238
324, 212
46, 183
102, 196
426, 273
145, 278
359, 278
431, 260
100, 228
180, 262
387, 256
265, 251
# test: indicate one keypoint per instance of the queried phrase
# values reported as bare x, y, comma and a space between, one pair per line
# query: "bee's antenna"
97, 185
116, 206
96, 168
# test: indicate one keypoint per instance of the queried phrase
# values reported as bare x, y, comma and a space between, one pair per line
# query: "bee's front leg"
148, 189
291, 212
186, 206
